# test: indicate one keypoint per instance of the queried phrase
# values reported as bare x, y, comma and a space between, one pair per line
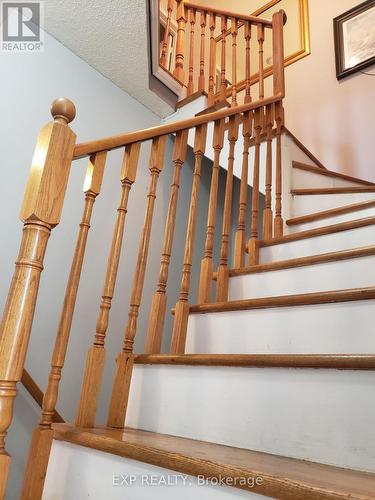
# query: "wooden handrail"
221, 12
121, 140
37, 394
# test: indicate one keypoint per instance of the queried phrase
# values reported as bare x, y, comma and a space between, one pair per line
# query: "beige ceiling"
240, 6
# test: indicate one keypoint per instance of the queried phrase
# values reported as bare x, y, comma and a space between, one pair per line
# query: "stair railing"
198, 66
41, 211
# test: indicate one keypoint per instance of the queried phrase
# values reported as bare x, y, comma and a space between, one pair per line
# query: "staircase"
266, 388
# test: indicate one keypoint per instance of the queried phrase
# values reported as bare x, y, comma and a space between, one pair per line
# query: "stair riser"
73, 474
308, 204
281, 411
334, 242
358, 214
341, 328
303, 179
336, 275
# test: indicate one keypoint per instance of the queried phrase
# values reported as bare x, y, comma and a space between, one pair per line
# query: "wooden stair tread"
303, 299
332, 190
324, 361
329, 173
324, 214
304, 261
319, 231
282, 477
190, 98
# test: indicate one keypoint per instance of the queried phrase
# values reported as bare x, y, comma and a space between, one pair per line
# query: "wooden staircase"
266, 388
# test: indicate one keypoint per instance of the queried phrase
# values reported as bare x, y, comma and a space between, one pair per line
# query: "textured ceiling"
111, 36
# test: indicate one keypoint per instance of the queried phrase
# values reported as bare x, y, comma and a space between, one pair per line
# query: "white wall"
333, 119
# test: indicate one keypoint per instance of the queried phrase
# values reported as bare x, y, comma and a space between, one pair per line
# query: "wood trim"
282, 477
304, 261
324, 214
36, 393
333, 190
303, 148
191, 98
118, 141
221, 12
320, 231
325, 361
329, 173
304, 299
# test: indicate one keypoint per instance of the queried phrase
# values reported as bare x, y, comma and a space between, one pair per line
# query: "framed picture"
355, 39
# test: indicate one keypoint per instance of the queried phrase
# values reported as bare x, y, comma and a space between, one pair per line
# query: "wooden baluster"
190, 87
43, 435
179, 72
240, 237
159, 301
261, 60
96, 355
223, 87
203, 20
253, 246
205, 279
223, 272
182, 306
163, 57
234, 31
125, 361
267, 213
247, 28
211, 78
41, 211
278, 223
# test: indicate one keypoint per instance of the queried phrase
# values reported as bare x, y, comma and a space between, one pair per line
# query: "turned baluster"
240, 237
247, 28
190, 87
267, 212
211, 77
96, 355
223, 272
223, 86
159, 301
253, 242
234, 31
42, 437
203, 21
163, 57
125, 361
261, 60
182, 306
41, 211
278, 223
180, 43
206, 271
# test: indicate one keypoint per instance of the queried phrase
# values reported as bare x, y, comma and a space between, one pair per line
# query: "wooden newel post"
180, 44
41, 211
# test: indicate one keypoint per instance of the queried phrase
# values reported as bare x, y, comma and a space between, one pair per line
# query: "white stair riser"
75, 472
338, 328
303, 179
336, 219
336, 275
333, 242
308, 204
320, 415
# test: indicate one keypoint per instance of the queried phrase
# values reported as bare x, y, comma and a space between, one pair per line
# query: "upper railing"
190, 51
233, 130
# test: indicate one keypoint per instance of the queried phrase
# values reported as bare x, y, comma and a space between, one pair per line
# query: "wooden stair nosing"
282, 477
324, 214
304, 261
191, 98
332, 190
304, 299
315, 361
329, 173
319, 231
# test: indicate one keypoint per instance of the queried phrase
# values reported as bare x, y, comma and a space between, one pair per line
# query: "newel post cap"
63, 110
